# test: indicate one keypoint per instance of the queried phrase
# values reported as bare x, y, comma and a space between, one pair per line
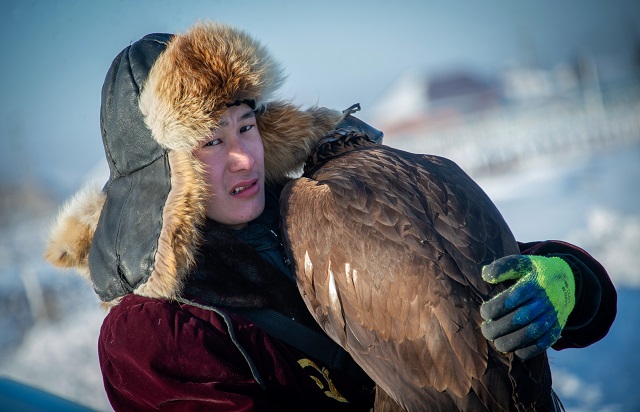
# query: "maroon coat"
159, 355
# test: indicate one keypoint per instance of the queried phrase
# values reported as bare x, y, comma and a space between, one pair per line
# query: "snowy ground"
592, 201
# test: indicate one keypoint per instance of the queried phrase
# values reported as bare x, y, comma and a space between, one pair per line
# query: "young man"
182, 242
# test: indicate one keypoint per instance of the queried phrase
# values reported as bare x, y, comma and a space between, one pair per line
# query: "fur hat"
161, 96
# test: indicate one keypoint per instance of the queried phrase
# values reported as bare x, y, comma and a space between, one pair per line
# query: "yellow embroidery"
332, 392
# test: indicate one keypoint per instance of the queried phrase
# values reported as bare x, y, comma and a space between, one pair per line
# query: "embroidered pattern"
331, 391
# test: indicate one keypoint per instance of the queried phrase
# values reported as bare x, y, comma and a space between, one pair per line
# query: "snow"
62, 358
589, 200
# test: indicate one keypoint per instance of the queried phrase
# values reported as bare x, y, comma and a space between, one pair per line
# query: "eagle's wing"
387, 248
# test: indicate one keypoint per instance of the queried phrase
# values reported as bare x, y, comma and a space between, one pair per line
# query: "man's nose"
240, 158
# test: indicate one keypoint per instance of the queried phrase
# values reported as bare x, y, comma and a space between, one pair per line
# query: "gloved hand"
529, 316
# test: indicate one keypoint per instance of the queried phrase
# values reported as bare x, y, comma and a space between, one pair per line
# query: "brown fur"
289, 134
183, 214
199, 72
72, 232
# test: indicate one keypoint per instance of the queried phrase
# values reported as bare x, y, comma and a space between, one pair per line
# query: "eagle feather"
387, 248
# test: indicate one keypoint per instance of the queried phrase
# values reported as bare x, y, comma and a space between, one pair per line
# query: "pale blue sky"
56, 53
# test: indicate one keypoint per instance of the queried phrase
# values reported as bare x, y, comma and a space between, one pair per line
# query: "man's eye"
213, 142
246, 128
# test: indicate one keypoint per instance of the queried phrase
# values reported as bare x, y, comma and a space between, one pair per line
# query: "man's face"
233, 156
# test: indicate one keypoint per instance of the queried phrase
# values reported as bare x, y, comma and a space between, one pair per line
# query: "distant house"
418, 101
463, 92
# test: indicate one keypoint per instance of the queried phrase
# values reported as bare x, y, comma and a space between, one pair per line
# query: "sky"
335, 53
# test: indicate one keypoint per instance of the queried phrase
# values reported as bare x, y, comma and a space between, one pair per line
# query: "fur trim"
183, 213
201, 70
72, 232
289, 134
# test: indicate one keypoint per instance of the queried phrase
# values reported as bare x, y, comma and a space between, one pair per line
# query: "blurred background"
538, 101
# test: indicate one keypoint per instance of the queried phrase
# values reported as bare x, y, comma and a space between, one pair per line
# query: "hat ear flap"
289, 134
72, 232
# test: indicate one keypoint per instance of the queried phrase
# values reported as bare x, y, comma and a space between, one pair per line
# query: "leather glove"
529, 316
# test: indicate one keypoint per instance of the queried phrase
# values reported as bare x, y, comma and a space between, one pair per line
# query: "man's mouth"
241, 188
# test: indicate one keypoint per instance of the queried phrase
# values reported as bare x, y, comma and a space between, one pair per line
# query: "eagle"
387, 247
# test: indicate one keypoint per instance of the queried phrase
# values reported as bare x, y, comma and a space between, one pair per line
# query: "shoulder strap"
315, 344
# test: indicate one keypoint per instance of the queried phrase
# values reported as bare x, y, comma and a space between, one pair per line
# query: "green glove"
529, 316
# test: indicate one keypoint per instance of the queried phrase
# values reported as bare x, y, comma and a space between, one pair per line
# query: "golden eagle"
388, 247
